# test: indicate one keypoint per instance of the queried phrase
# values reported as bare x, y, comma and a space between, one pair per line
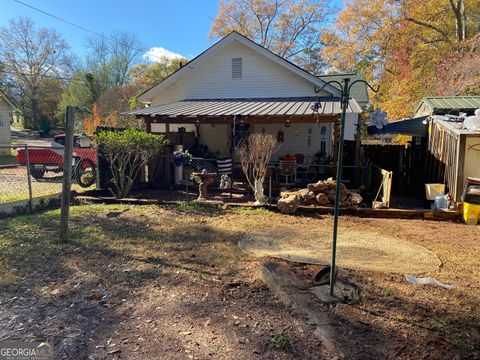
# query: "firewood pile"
321, 193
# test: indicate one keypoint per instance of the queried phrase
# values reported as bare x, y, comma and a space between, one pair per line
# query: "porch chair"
303, 165
288, 171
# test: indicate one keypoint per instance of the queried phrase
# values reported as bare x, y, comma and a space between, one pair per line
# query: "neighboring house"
7, 108
238, 87
442, 105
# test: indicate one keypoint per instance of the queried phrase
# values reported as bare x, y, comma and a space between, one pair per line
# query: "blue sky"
180, 26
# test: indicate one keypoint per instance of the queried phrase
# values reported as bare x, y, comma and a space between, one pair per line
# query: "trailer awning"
291, 106
412, 127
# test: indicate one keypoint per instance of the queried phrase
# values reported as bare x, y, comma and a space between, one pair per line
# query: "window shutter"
236, 68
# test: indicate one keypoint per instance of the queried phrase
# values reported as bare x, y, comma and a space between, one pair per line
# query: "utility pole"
67, 173
344, 101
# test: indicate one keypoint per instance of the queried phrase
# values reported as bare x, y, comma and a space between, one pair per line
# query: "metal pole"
67, 173
345, 99
29, 180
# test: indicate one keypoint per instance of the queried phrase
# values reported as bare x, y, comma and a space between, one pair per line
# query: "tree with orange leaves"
400, 45
289, 28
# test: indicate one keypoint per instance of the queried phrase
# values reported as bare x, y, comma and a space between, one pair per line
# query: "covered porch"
307, 128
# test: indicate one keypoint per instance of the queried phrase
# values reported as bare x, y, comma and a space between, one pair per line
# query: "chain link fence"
31, 176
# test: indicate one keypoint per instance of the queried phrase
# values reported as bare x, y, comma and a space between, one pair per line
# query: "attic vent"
236, 68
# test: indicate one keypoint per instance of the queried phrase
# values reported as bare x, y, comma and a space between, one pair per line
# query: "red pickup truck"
43, 160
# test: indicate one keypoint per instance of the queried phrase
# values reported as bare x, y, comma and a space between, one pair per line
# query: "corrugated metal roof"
452, 102
293, 106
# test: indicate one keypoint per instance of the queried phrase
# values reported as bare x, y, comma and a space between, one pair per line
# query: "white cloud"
156, 54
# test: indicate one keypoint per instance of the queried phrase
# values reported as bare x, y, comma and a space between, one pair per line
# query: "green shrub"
127, 152
45, 126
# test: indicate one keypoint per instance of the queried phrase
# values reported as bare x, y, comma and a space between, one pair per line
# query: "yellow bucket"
471, 213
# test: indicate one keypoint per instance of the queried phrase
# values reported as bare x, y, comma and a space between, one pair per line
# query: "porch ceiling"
291, 106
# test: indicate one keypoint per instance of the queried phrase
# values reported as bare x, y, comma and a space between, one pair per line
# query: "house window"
236, 68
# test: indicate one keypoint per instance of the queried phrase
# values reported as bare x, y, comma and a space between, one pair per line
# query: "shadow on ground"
166, 282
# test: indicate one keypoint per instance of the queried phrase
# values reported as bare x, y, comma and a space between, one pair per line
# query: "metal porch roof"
291, 106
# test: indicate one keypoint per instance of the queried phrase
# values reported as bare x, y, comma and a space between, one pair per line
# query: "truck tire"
87, 173
37, 173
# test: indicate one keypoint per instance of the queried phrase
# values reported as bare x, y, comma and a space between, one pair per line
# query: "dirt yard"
148, 282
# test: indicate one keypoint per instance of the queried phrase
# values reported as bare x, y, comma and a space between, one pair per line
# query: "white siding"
5, 118
296, 138
160, 128
261, 77
216, 137
351, 121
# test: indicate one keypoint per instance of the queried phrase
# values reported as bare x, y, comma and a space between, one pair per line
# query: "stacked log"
288, 203
321, 193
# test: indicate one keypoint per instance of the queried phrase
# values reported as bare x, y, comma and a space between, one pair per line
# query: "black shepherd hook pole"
345, 98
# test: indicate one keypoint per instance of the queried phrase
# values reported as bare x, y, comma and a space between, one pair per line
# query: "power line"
80, 27
63, 20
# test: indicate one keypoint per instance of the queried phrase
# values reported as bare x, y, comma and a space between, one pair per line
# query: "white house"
6, 117
236, 87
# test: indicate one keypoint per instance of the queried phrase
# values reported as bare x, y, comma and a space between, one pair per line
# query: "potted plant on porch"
255, 153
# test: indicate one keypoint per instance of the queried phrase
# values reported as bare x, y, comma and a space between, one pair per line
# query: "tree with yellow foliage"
400, 44
290, 28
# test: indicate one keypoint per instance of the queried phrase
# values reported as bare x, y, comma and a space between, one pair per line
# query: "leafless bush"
255, 153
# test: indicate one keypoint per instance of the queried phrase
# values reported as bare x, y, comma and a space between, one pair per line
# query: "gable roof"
217, 47
7, 99
450, 103
358, 91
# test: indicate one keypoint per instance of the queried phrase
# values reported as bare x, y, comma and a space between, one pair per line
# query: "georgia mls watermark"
24, 350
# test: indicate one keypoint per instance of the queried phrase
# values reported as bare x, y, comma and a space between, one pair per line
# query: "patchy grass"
7, 160
280, 341
175, 277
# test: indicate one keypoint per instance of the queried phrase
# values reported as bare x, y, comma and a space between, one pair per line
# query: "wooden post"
336, 134
29, 180
67, 173
460, 164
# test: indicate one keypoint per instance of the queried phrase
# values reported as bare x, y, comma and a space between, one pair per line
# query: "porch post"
336, 136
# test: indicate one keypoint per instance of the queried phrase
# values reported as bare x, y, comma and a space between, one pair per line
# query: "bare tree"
254, 154
289, 28
31, 56
112, 57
